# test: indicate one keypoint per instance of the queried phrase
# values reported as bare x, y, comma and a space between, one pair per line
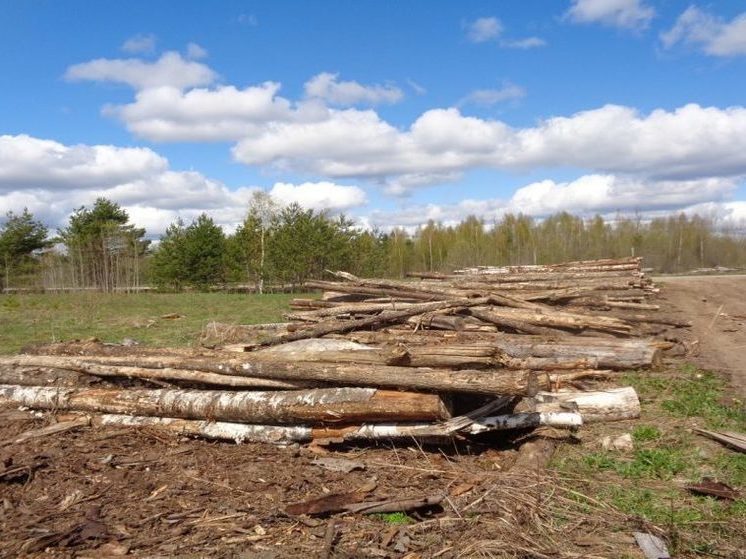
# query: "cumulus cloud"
489, 97
624, 14
26, 161
715, 36
327, 87
319, 196
52, 179
140, 44
484, 29
586, 195
169, 70
223, 113
689, 142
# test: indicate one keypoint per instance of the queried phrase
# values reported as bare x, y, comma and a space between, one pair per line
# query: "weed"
645, 433
396, 518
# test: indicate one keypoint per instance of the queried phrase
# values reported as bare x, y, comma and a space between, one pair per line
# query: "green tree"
104, 248
167, 269
194, 256
203, 253
247, 248
20, 236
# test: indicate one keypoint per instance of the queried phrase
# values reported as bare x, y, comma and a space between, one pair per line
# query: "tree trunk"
614, 404
500, 382
324, 405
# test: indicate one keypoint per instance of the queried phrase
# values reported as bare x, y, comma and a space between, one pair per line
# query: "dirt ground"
140, 493
716, 305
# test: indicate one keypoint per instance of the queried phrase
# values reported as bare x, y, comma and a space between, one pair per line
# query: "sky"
392, 113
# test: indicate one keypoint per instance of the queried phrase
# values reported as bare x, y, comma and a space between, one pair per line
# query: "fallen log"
314, 406
513, 323
387, 317
526, 420
501, 382
609, 353
615, 404
8, 375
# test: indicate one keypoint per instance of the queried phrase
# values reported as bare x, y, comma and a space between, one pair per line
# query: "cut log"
610, 353
514, 324
8, 375
312, 406
387, 317
42, 376
528, 420
501, 382
615, 404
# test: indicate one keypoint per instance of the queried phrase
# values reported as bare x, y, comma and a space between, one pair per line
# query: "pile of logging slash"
432, 358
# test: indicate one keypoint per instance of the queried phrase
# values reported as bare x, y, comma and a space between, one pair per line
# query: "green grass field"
42, 318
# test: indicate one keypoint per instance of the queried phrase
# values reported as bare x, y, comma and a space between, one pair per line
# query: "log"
42, 376
513, 323
610, 353
314, 406
550, 319
528, 420
8, 375
615, 404
283, 434
411, 378
388, 317
344, 351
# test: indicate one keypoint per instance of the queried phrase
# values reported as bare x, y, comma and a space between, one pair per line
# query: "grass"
42, 318
648, 483
395, 518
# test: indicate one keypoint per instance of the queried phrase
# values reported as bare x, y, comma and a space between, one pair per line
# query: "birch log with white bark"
312, 406
615, 404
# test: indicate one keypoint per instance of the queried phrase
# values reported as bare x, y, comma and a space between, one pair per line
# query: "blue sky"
392, 112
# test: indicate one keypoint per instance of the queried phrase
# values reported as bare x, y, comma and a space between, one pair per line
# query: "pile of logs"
440, 356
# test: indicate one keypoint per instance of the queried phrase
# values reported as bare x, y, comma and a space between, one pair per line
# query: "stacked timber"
440, 356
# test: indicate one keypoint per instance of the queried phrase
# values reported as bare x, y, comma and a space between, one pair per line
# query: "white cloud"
484, 29
715, 36
689, 142
52, 179
223, 113
319, 196
195, 51
326, 87
169, 70
625, 14
140, 44
488, 97
586, 195
26, 161
523, 44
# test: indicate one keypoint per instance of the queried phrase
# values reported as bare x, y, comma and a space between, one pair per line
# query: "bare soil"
716, 305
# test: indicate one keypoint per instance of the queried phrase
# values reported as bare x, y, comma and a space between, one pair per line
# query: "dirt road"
716, 305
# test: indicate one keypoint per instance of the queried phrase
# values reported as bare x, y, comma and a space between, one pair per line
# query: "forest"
280, 247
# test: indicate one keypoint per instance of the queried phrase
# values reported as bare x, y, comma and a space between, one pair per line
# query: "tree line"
283, 246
